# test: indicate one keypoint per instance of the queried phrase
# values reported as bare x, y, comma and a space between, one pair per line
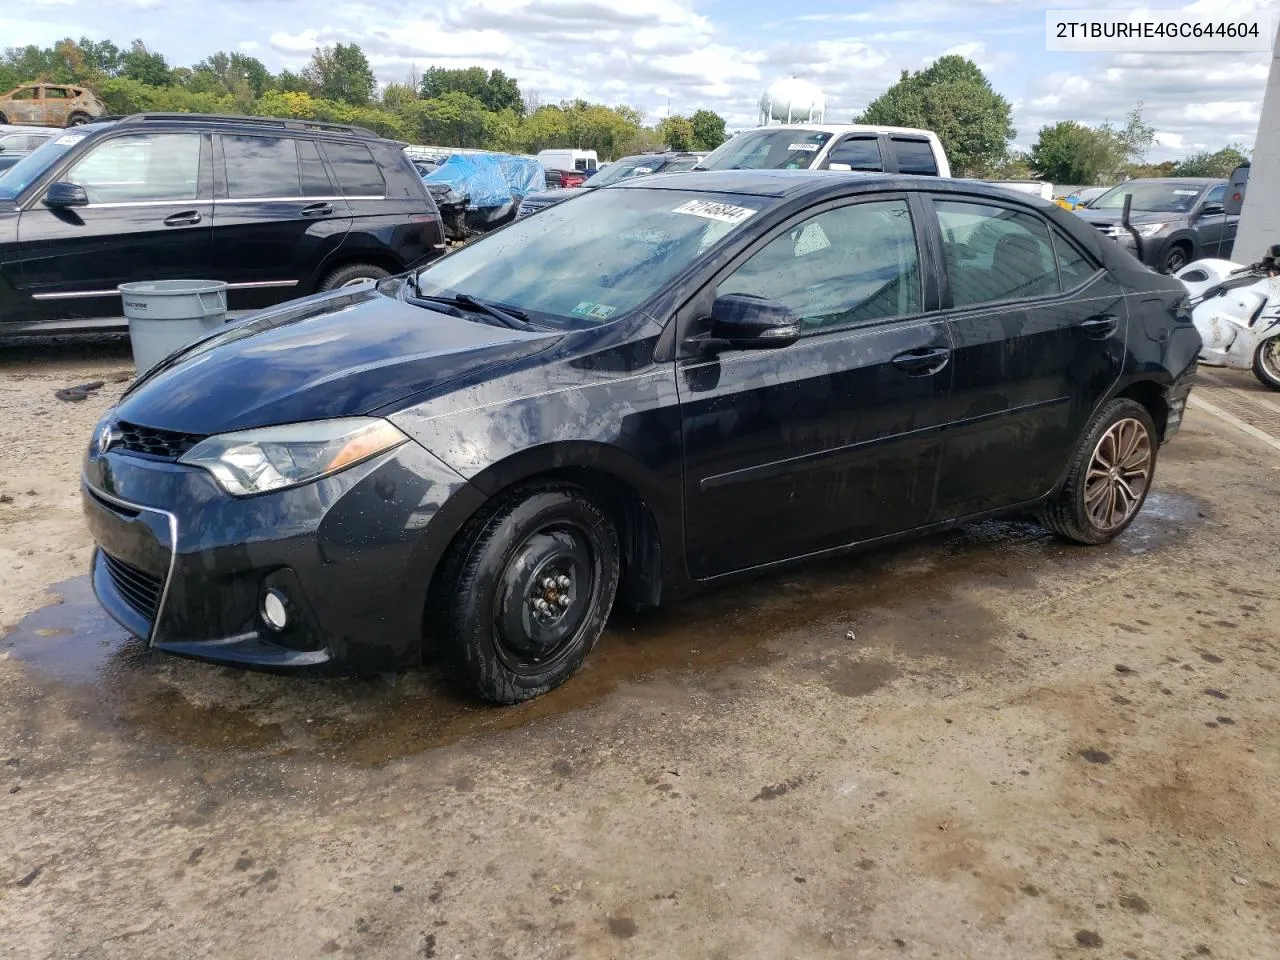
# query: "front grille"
137, 588
164, 444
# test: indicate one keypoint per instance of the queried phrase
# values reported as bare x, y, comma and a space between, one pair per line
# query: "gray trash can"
167, 314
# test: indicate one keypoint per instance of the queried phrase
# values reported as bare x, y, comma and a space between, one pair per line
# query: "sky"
682, 55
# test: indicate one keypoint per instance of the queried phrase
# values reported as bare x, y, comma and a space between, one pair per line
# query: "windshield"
767, 150
625, 169
27, 170
1151, 197
593, 259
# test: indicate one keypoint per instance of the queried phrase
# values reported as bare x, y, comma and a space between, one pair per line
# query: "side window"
55, 93
915, 156
315, 179
357, 172
261, 168
847, 265
994, 253
26, 93
147, 167
1216, 194
1073, 266
580, 164
858, 153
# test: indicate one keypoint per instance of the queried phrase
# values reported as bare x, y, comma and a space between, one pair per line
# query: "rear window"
261, 168
357, 172
915, 156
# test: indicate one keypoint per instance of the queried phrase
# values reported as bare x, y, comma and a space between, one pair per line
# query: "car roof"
838, 128
283, 125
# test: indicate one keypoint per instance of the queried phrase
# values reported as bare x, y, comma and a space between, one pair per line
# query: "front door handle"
317, 210
185, 218
1101, 326
923, 362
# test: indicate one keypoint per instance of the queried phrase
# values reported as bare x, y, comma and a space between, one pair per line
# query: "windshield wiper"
507, 316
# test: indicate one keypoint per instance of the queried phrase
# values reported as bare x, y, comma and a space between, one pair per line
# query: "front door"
1214, 230
53, 105
1039, 339
829, 441
276, 217
149, 218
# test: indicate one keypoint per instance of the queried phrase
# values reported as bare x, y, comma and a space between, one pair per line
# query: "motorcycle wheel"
1266, 363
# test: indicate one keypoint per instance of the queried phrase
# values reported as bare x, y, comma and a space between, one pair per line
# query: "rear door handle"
185, 218
923, 362
1101, 326
317, 210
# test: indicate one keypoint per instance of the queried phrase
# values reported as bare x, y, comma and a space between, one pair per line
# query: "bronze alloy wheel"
1119, 472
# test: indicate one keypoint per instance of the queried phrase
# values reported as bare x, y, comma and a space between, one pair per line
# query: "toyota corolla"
665, 384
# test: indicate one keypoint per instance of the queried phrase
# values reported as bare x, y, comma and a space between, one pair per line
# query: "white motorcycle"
1237, 311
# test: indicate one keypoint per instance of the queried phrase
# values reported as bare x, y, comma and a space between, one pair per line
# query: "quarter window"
261, 168
848, 265
357, 172
141, 168
994, 253
916, 157
1073, 266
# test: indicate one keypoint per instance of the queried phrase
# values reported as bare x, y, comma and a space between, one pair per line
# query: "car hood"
338, 354
1105, 217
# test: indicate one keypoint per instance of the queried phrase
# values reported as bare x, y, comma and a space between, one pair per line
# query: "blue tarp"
489, 179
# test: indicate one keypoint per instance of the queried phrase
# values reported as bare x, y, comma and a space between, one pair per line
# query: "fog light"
275, 610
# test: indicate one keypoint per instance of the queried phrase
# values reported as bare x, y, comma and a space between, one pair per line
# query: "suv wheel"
1109, 476
76, 119
526, 591
352, 274
1177, 258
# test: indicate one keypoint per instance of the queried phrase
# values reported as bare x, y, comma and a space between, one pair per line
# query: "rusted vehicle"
50, 105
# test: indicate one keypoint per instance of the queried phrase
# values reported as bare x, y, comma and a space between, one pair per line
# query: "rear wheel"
1109, 476
1266, 363
351, 275
526, 592
76, 119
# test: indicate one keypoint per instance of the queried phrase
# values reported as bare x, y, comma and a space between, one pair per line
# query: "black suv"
276, 208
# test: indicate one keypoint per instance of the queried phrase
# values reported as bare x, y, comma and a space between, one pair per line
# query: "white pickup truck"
847, 146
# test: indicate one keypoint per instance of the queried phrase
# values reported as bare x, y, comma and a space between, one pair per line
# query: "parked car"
17, 142
50, 105
811, 146
1081, 198
652, 389
479, 192
565, 160
276, 208
637, 166
1178, 220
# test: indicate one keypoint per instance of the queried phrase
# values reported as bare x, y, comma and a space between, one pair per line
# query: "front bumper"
185, 566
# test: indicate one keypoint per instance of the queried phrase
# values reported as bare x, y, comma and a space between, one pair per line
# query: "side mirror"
62, 195
1211, 208
842, 167
741, 321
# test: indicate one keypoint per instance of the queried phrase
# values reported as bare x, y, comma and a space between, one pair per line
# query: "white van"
580, 160
843, 146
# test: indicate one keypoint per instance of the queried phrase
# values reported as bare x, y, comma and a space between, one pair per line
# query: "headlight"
272, 458
1149, 229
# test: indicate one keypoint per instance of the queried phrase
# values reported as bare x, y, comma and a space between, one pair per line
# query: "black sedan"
667, 383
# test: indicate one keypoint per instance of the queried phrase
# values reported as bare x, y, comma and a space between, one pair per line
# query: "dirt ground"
986, 744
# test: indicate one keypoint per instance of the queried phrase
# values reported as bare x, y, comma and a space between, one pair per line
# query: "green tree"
494, 88
1070, 152
144, 66
677, 132
289, 82
450, 120
1205, 164
340, 72
954, 99
708, 130
396, 96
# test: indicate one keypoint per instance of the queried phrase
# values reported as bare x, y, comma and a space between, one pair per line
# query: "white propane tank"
792, 100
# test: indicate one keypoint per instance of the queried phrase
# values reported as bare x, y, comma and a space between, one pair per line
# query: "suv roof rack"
288, 124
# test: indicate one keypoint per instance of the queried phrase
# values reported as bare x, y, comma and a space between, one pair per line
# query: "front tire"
1177, 257
351, 275
1109, 477
526, 592
1266, 363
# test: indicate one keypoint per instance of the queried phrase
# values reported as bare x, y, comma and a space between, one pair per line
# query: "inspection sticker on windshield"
67, 139
806, 147
598, 311
715, 211
1186, 193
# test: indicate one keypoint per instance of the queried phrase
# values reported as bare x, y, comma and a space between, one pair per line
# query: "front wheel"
526, 592
1266, 363
1109, 477
1177, 258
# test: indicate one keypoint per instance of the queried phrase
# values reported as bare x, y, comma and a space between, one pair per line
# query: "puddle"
909, 601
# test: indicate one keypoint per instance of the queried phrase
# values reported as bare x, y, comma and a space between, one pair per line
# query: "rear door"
277, 216
831, 440
913, 155
1039, 339
149, 218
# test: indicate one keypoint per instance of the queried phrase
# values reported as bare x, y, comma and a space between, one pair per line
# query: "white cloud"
249, 46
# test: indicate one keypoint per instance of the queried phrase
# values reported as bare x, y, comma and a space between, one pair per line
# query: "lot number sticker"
715, 211
806, 147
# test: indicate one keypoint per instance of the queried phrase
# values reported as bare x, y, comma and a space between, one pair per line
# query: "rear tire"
1266, 363
1109, 477
526, 591
352, 274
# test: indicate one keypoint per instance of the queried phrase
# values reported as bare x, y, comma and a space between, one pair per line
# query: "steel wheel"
1119, 472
